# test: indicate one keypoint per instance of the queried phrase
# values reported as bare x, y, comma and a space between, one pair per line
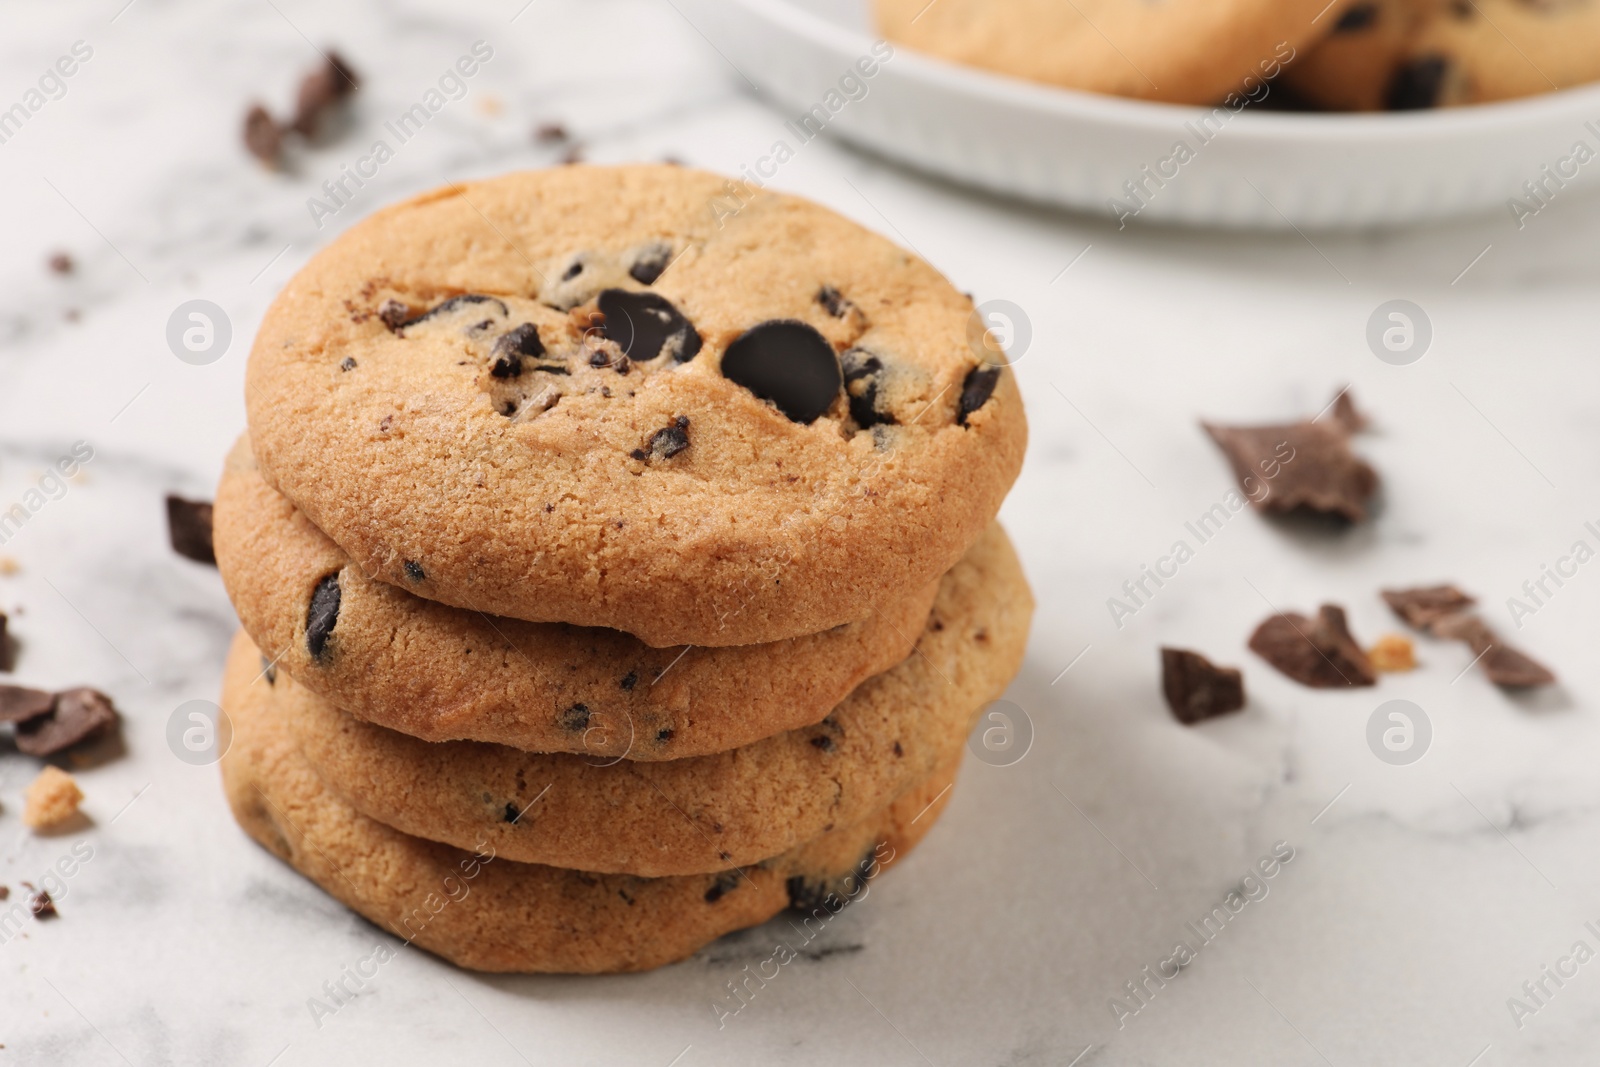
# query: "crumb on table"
1394, 652
52, 799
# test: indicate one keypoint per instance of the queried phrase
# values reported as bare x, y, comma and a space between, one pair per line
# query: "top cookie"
640, 397
1180, 51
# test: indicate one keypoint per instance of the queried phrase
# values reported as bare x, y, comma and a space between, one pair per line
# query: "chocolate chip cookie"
642, 398
483, 911
442, 673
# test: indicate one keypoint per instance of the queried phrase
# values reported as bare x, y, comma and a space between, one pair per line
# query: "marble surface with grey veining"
1419, 898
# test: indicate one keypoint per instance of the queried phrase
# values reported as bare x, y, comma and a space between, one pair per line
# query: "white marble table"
1419, 898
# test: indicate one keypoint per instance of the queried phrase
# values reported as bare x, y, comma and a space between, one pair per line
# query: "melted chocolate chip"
414, 571
789, 363
575, 718
512, 347
1417, 84
322, 615
833, 302
1197, 689
644, 326
75, 716
649, 264
862, 373
976, 391
1319, 652
1360, 17
189, 529
666, 442
457, 302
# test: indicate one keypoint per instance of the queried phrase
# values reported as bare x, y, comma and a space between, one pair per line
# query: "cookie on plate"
1410, 54
485, 912
1181, 51
707, 813
442, 673
641, 398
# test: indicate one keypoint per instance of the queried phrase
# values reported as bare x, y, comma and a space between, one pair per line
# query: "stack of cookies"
616, 557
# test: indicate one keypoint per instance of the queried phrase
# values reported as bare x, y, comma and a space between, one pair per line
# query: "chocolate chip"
347, 364
75, 716
415, 572
189, 529
601, 359
1423, 608
263, 138
393, 314
1316, 652
629, 680
898, 750
550, 133
823, 742
789, 363
575, 718
1359, 17
664, 735
976, 391
511, 814
1504, 665
41, 905
512, 347
833, 302
649, 263
1306, 466
1417, 84
726, 881
644, 326
575, 269
18, 703
666, 442
863, 372
831, 893
322, 615
454, 303
60, 263
269, 670
1197, 689
320, 91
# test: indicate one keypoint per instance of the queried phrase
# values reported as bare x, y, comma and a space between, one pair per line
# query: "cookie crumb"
9, 566
1393, 652
51, 800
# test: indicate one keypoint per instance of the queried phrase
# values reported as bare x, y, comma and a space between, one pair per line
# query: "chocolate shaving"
19, 704
1197, 689
1424, 607
1319, 652
1503, 664
189, 528
76, 716
1298, 466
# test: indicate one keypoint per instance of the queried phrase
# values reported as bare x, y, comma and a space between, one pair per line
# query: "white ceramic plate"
1058, 146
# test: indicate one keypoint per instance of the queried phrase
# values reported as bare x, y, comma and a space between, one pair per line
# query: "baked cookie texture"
442, 673
488, 913
1180, 51
695, 815
1411, 54
624, 397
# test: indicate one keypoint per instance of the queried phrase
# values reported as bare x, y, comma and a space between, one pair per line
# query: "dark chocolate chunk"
644, 326
1359, 17
863, 372
1423, 608
1417, 84
320, 91
649, 263
40, 904
322, 615
189, 529
393, 314
454, 303
1503, 664
348, 363
414, 571
263, 137
75, 716
60, 263
512, 347
630, 680
19, 704
725, 881
976, 391
666, 442
1298, 466
575, 718
1316, 652
833, 302
789, 363
511, 814
1197, 689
